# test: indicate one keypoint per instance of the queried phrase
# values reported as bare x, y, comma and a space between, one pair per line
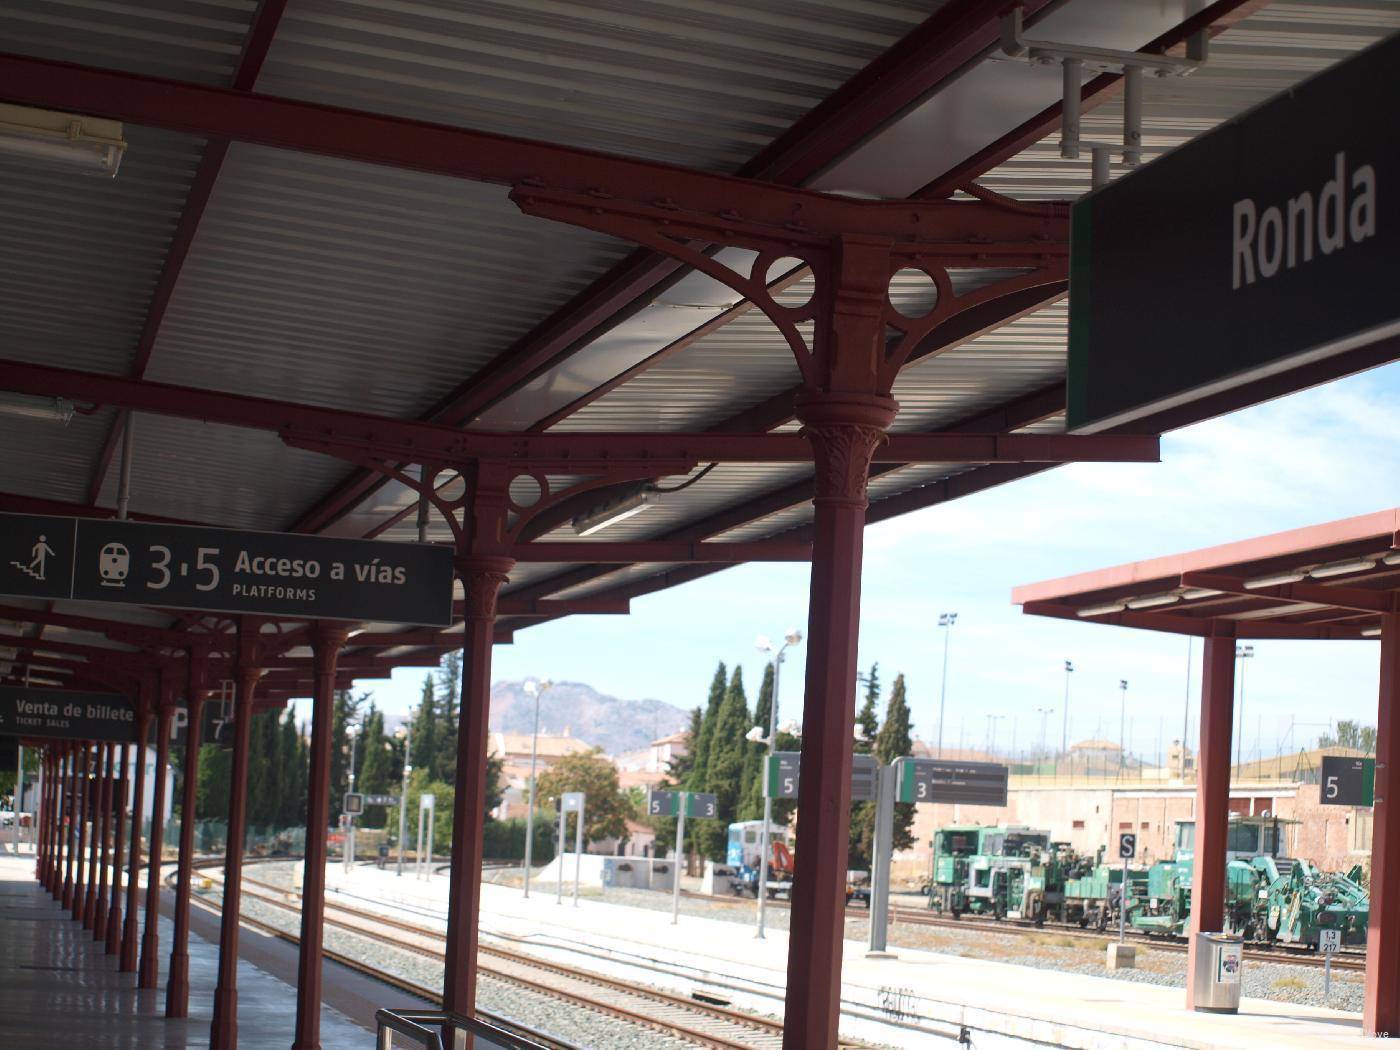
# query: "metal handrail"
414, 1024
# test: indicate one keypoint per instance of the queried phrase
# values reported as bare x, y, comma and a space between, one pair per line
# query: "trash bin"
1216, 980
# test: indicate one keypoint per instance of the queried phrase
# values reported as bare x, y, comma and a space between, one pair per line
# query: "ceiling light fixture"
1149, 601
49, 409
1275, 580
1392, 559
1341, 568
1371, 632
89, 145
611, 513
1192, 593
1100, 610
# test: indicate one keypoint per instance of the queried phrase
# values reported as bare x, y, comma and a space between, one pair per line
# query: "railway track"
1300, 956
690, 1020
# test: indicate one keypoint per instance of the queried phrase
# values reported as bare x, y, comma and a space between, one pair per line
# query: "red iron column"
326, 642
844, 434
44, 861
114, 906
83, 784
482, 578
138, 804
99, 914
223, 1032
149, 973
1212, 796
70, 830
94, 793
1381, 1016
177, 986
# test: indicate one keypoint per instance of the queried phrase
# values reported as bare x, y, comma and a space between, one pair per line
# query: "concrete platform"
998, 1003
58, 987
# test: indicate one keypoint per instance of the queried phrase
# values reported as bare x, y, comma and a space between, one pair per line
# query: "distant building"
646, 767
514, 751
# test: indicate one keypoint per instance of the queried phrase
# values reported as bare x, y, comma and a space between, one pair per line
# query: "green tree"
344, 710
894, 742
701, 767
867, 720
420, 782
294, 757
377, 769
213, 782
680, 771
424, 737
449, 698
607, 807
725, 773
264, 772
1352, 735
862, 826
751, 797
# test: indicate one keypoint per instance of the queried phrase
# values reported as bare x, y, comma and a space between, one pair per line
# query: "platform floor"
59, 988
1001, 1003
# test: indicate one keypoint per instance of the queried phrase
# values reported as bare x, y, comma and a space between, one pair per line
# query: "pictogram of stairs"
26, 570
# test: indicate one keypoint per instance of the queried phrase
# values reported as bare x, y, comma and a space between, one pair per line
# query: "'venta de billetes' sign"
67, 714
1261, 246
223, 570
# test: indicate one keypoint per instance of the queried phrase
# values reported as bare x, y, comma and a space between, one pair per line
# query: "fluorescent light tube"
1100, 610
1149, 601
612, 513
1341, 568
88, 145
49, 409
1275, 580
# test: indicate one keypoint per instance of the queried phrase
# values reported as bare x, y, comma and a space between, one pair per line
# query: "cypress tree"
294, 773
862, 828
449, 698
700, 771
424, 742
264, 772
377, 767
894, 741
725, 771
751, 807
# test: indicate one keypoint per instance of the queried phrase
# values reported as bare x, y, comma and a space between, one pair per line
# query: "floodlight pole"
946, 621
403, 789
537, 692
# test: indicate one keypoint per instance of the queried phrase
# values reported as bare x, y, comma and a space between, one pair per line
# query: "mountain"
604, 721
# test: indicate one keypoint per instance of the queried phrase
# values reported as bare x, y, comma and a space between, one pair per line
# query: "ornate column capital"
845, 430
483, 575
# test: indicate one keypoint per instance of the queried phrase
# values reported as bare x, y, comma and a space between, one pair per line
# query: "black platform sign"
1348, 781
67, 714
1265, 244
668, 804
935, 780
784, 776
222, 570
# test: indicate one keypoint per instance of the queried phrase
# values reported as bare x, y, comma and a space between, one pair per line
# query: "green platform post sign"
1258, 248
1348, 781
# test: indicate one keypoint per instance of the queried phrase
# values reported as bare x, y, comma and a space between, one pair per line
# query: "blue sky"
1325, 453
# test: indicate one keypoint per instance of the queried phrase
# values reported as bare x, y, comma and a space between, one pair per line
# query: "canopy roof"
1324, 581
220, 261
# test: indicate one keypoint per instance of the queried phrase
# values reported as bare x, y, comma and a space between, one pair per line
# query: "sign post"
426, 803
679, 804
1329, 942
223, 570
1127, 848
1348, 781
882, 851
572, 802
559, 881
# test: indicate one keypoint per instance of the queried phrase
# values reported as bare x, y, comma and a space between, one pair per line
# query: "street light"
1044, 713
1242, 653
353, 732
946, 621
535, 689
793, 637
1064, 734
406, 735
1122, 716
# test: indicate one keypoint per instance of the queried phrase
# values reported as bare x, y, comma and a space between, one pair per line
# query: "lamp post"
535, 689
793, 637
1122, 716
353, 732
405, 734
1064, 733
1242, 653
1044, 713
946, 621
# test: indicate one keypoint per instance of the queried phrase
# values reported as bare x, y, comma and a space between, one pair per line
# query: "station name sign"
224, 570
1257, 248
67, 714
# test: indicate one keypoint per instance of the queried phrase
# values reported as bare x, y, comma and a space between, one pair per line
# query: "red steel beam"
1381, 1015
309, 426
245, 75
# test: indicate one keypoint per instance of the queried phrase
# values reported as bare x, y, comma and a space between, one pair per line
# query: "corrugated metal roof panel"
695, 82
196, 40
346, 284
